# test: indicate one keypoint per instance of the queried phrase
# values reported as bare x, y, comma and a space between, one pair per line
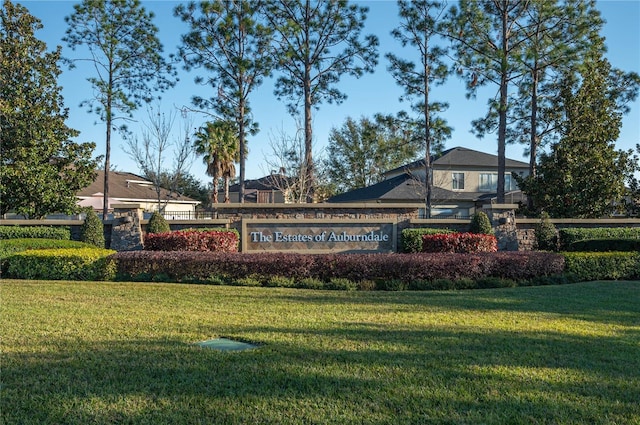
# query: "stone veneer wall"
407, 216
235, 213
526, 227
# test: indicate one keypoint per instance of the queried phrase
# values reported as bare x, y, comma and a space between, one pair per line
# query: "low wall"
519, 232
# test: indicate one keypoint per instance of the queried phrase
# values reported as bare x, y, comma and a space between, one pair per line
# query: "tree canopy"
41, 168
230, 40
361, 151
126, 54
318, 42
584, 175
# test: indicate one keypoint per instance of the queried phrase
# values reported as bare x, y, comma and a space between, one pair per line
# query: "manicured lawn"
106, 353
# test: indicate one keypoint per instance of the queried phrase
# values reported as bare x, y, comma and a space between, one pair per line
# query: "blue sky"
373, 93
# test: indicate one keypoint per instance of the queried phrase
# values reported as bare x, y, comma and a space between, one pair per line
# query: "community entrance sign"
318, 235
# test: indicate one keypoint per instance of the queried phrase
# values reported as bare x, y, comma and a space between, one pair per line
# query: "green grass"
105, 353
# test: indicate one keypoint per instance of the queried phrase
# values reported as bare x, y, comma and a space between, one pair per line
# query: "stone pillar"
126, 231
503, 221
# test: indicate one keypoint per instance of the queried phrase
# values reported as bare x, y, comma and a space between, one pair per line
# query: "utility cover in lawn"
224, 344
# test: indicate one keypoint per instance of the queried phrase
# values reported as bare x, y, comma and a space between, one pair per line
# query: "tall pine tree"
228, 39
583, 175
125, 53
318, 43
418, 28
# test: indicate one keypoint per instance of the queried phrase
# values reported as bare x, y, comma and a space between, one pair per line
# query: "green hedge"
12, 246
62, 264
604, 245
411, 239
38, 232
570, 236
603, 265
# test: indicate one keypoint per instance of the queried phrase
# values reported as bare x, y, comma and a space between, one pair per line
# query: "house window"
489, 182
458, 181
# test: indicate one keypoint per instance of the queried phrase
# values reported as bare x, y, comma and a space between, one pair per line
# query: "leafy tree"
488, 42
361, 151
583, 175
632, 200
318, 42
41, 168
151, 154
125, 52
228, 39
217, 143
187, 185
418, 26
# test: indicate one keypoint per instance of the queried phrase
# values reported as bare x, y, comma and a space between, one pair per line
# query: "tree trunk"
107, 156
214, 191
502, 123
241, 136
533, 148
226, 190
427, 132
308, 135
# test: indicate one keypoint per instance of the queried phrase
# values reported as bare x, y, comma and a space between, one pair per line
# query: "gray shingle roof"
460, 156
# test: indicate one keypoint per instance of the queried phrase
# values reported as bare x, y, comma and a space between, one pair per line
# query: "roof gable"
460, 157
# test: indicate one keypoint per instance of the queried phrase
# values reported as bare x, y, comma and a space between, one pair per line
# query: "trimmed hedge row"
63, 264
570, 236
180, 266
604, 245
38, 232
216, 241
12, 246
459, 243
411, 239
603, 265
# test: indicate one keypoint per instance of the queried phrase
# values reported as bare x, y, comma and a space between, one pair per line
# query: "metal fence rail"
187, 215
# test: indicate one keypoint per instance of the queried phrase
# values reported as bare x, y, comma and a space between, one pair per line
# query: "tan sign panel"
318, 236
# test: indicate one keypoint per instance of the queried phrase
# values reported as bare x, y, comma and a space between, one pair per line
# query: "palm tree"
217, 142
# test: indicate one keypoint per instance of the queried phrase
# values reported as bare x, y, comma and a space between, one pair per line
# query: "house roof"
407, 188
263, 183
462, 157
131, 187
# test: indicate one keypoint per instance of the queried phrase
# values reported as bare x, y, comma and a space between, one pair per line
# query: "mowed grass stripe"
88, 352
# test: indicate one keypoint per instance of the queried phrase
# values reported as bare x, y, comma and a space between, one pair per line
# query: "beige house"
463, 181
131, 188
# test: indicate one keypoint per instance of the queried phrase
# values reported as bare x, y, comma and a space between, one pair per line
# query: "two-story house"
463, 180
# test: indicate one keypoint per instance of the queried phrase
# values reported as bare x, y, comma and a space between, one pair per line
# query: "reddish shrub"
463, 243
184, 266
216, 241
